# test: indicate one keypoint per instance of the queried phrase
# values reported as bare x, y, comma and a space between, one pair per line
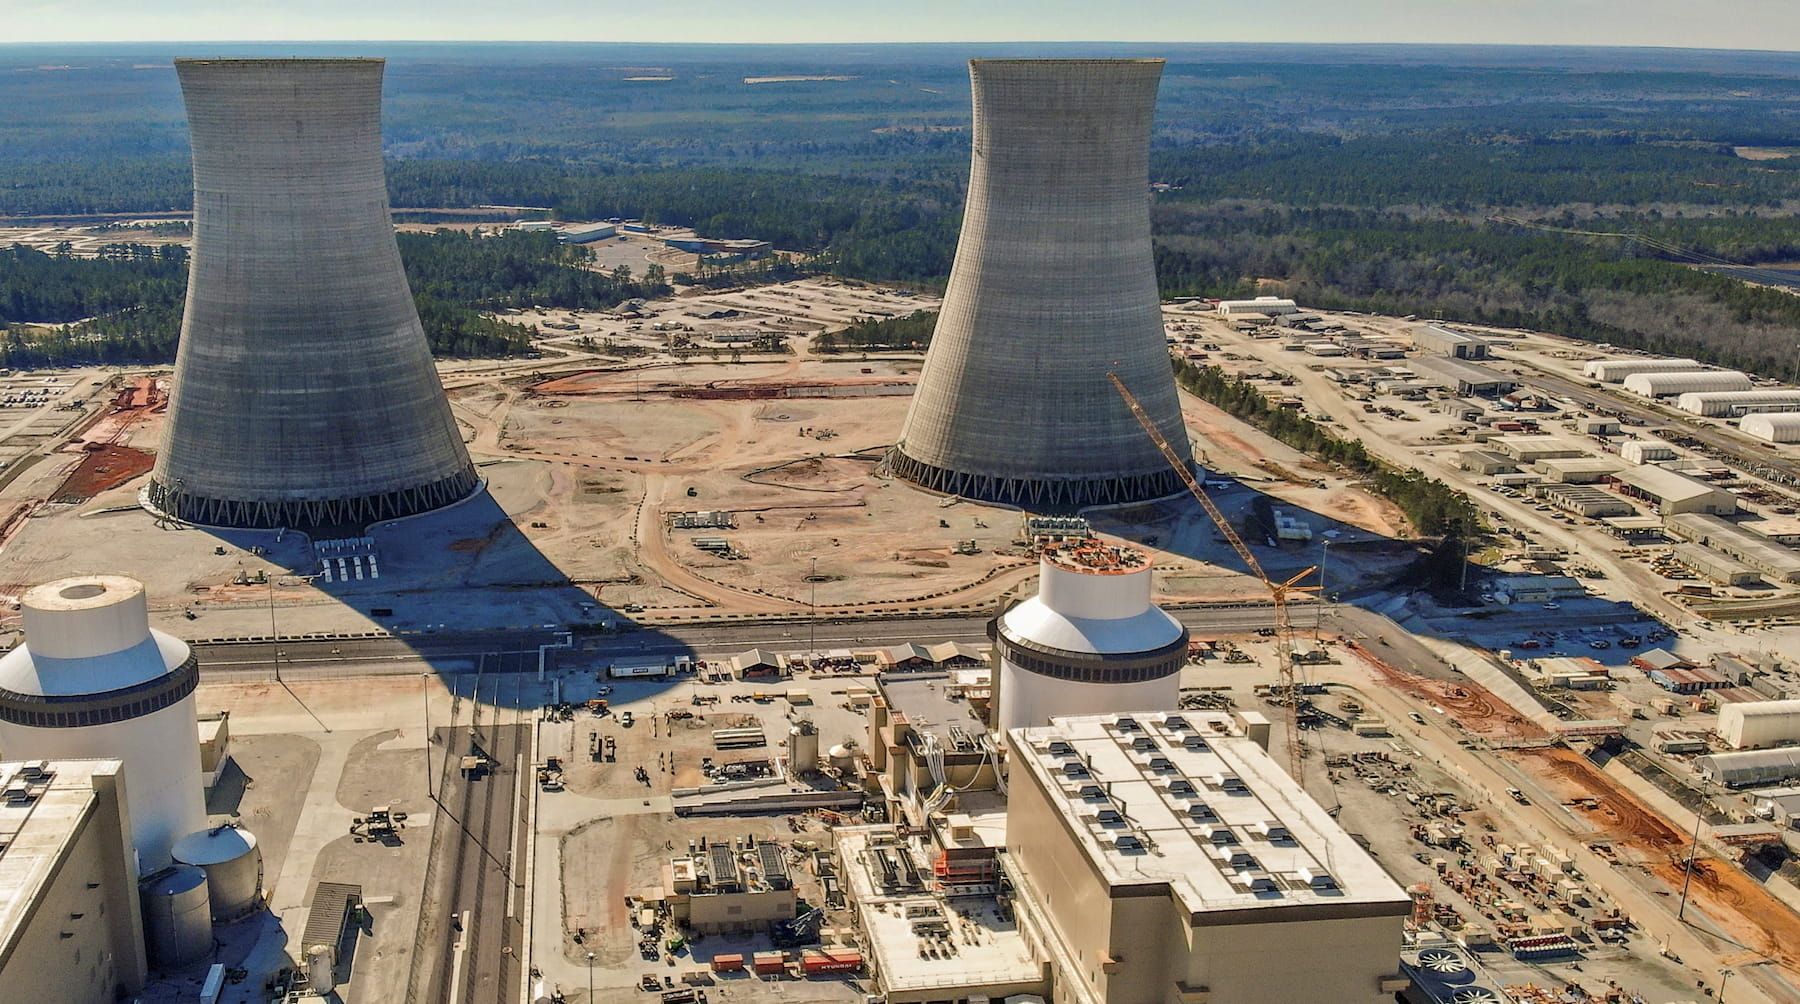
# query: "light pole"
590, 956
1693, 852
812, 626
275, 632
1725, 976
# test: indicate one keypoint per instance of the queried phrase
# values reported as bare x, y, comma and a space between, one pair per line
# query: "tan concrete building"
1167, 859
926, 743
71, 930
727, 886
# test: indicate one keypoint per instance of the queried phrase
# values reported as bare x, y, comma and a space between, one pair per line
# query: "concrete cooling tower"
1090, 642
93, 681
304, 390
1053, 287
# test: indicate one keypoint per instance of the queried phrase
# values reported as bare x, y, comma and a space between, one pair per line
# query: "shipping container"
831, 960
728, 964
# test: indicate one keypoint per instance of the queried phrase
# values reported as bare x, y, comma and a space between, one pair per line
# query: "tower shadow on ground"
462, 589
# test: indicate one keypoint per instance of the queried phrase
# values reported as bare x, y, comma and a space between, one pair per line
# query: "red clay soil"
104, 468
1734, 900
1473, 706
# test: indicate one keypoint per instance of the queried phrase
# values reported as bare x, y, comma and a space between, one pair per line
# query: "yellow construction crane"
1278, 591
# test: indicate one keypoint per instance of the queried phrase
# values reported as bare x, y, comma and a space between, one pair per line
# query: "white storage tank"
842, 757
1778, 427
1615, 370
1676, 384
1090, 642
93, 681
177, 917
1732, 403
233, 866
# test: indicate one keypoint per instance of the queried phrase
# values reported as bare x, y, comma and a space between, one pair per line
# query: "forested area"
1434, 508
1361, 178
912, 331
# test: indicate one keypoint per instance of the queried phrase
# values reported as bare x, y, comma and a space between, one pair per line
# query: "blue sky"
1726, 24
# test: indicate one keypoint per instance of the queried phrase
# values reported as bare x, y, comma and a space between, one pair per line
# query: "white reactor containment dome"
1090, 642
92, 680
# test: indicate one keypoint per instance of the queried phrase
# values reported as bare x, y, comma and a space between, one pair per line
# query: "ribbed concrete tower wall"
304, 389
1054, 285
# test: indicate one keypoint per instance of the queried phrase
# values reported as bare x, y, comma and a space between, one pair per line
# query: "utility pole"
274, 632
1725, 976
812, 627
1324, 597
1693, 852
425, 688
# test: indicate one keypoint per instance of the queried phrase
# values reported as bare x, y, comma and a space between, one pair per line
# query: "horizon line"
1336, 44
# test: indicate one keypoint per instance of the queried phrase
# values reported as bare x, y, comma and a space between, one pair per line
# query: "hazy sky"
1725, 24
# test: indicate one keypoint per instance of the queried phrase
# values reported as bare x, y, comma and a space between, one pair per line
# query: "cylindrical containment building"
92, 680
1054, 286
1090, 642
233, 866
304, 390
177, 917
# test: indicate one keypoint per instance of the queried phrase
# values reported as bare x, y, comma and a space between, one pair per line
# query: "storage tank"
93, 681
1615, 370
1675, 384
1777, 427
177, 917
1090, 642
233, 866
841, 757
803, 748
1732, 403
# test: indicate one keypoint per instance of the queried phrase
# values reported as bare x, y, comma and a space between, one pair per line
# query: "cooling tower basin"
93, 681
304, 390
1090, 642
1053, 287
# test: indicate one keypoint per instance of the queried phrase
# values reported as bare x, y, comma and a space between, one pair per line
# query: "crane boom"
1278, 591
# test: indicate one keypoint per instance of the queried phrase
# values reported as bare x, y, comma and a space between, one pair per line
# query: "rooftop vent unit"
1126, 724
1075, 768
1242, 859
1274, 832
1317, 879
1181, 786
1263, 883
1128, 842
1109, 817
1143, 744
37, 770
1091, 792
1194, 744
1061, 747
18, 794
1202, 812
1161, 763
1231, 783
1222, 836
1176, 723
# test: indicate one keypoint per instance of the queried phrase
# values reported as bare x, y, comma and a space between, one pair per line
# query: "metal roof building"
1733, 403
1437, 339
1461, 376
1752, 768
1053, 287
1776, 560
1159, 850
1674, 492
304, 390
1675, 384
1756, 725
1780, 427
1616, 370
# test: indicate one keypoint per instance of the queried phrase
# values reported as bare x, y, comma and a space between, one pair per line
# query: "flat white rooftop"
1189, 801
36, 829
983, 950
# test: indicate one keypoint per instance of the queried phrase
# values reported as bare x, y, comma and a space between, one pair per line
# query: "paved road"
471, 925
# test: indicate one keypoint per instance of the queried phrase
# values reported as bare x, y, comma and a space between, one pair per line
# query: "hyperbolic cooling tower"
304, 389
93, 681
1053, 287
1090, 642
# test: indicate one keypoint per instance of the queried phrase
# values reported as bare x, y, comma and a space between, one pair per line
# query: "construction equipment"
801, 930
1278, 591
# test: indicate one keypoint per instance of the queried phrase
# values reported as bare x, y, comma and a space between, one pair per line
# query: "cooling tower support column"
304, 389
1053, 287
93, 681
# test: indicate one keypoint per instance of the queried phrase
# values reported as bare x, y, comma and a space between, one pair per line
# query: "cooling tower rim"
1073, 61
82, 592
277, 60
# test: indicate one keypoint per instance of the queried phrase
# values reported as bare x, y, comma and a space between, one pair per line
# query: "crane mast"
1278, 591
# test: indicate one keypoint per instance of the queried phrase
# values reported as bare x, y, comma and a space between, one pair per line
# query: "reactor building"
304, 391
1089, 642
1054, 286
93, 681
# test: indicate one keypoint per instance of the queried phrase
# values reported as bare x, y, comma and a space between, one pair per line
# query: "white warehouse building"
1676, 384
1616, 370
1270, 306
1779, 427
1760, 724
1735, 403
1646, 451
1089, 642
